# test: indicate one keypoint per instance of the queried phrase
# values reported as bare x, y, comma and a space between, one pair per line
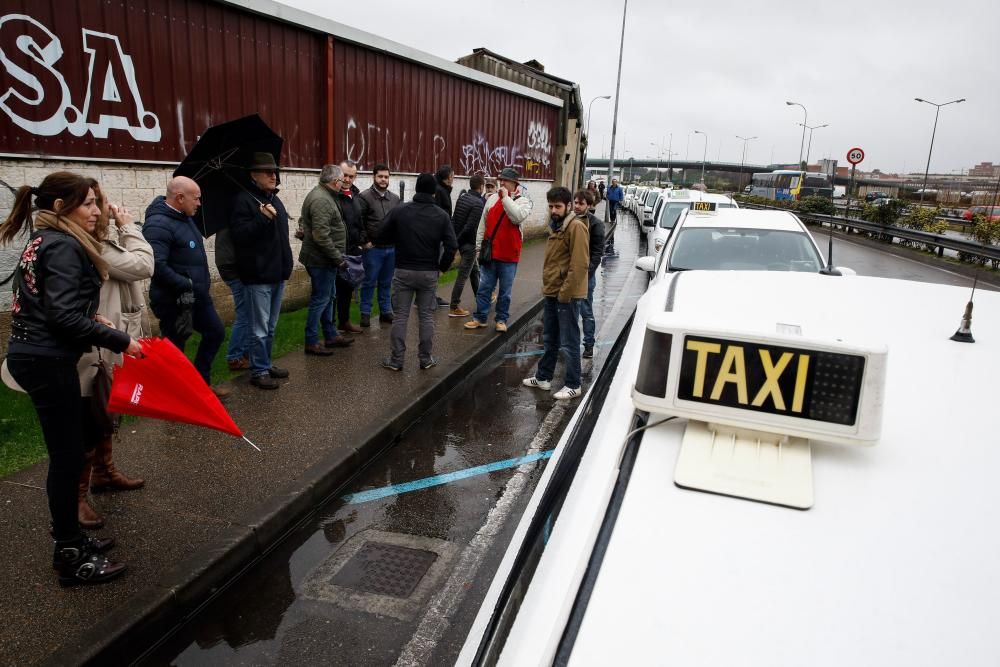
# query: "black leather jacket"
56, 294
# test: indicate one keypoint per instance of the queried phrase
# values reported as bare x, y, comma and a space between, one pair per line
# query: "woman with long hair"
54, 321
130, 261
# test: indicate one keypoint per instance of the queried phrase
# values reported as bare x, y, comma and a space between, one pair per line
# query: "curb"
127, 633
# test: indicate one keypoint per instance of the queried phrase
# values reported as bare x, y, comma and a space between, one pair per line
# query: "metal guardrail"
950, 219
891, 232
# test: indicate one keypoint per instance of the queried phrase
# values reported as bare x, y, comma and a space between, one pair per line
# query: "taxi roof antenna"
964, 333
830, 269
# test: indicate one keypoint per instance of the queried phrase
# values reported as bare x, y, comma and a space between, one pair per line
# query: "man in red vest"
501, 224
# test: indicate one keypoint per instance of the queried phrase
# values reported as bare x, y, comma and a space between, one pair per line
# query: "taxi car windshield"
722, 249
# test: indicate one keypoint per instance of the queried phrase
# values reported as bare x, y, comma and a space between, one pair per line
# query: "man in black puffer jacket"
180, 273
468, 211
420, 230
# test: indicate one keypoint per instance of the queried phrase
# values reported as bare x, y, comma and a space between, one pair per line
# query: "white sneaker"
566, 393
536, 383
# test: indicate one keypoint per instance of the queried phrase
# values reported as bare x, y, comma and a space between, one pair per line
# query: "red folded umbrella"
163, 384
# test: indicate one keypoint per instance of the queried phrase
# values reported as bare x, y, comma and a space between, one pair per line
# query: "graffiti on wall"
43, 104
368, 144
486, 159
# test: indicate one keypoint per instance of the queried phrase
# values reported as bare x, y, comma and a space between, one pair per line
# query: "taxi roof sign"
779, 383
703, 206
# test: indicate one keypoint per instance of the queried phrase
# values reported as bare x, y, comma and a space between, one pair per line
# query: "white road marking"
443, 606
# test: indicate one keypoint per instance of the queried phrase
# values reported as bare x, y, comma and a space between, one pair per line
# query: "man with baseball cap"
500, 223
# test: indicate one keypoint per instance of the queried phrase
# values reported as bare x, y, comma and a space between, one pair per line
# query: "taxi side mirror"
647, 264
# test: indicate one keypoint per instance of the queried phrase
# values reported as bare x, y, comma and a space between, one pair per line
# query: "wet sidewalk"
211, 503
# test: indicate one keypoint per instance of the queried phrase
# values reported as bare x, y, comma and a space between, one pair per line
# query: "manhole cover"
385, 569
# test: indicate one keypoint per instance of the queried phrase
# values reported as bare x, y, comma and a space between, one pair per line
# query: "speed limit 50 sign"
855, 155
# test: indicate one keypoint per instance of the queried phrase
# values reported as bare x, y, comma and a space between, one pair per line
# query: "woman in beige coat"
123, 306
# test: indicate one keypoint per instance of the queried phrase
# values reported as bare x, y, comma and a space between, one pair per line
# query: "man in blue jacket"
180, 273
615, 196
259, 228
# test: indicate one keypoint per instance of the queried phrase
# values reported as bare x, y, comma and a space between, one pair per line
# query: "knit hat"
426, 184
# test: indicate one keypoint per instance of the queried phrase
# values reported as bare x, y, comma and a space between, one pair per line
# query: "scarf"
50, 220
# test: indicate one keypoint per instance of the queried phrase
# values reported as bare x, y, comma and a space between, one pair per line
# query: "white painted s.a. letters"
112, 99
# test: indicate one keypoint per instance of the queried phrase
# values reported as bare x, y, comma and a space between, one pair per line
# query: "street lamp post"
743, 159
590, 109
805, 119
670, 152
811, 128
937, 111
658, 153
704, 155
614, 118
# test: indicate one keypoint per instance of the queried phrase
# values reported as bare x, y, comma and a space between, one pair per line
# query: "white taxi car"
774, 469
738, 240
657, 229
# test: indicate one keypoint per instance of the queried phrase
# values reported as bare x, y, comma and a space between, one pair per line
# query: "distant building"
987, 169
569, 142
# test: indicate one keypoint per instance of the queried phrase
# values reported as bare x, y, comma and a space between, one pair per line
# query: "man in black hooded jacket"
420, 230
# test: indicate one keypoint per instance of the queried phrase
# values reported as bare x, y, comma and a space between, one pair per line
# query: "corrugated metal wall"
195, 63
414, 118
140, 80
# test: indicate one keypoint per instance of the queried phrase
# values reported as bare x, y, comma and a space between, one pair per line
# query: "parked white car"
674, 202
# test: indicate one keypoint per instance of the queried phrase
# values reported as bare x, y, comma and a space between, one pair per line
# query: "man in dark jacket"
258, 226
420, 230
380, 259
582, 203
180, 274
323, 245
349, 201
468, 210
444, 177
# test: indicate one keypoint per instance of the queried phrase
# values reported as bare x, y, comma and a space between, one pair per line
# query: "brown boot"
85, 514
108, 478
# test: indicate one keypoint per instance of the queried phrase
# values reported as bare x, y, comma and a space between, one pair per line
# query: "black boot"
79, 561
95, 544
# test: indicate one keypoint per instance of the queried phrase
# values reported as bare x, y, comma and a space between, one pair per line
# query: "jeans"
239, 335
467, 270
561, 333
380, 263
587, 312
206, 322
321, 304
264, 306
490, 275
407, 285
54, 388
613, 210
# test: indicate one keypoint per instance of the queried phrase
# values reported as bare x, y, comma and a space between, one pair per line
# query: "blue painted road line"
396, 489
538, 353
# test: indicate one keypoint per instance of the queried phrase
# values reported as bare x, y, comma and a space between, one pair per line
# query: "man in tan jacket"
564, 284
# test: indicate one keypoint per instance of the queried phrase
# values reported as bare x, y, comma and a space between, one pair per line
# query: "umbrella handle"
251, 444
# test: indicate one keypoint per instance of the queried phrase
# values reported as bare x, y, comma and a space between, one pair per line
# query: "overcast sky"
727, 68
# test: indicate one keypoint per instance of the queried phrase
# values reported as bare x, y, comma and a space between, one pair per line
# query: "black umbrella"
218, 163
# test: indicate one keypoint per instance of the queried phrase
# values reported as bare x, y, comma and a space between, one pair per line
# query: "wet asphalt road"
302, 605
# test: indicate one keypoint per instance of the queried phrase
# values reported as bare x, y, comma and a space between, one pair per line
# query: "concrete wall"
135, 186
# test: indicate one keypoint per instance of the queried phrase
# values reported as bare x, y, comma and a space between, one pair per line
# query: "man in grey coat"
323, 245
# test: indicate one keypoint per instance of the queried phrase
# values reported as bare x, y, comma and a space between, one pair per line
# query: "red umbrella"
163, 384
